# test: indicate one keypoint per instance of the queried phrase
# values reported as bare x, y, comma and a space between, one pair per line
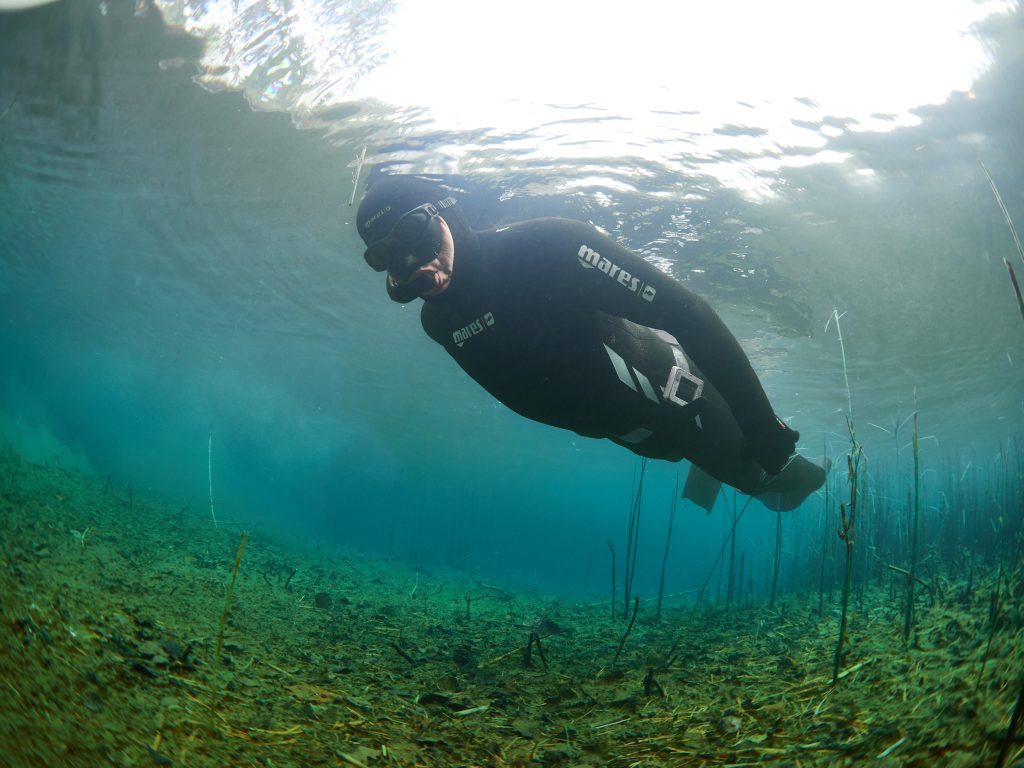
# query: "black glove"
770, 448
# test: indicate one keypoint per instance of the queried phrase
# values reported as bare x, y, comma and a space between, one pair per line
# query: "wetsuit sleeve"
595, 271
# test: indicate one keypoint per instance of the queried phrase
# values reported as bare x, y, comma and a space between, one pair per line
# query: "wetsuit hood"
390, 197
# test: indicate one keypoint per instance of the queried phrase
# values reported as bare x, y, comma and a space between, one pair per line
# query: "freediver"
566, 327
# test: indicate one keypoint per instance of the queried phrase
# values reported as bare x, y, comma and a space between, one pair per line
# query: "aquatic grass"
1016, 239
729, 537
776, 557
534, 641
1019, 536
848, 521
612, 550
633, 539
993, 620
209, 474
303, 695
14, 467
1011, 730
668, 542
629, 628
846, 535
358, 164
731, 584
1016, 287
908, 621
825, 539
227, 598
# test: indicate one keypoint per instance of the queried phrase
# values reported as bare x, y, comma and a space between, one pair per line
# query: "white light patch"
880, 57
733, 88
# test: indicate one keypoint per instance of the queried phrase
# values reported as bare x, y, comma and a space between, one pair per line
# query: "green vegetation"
110, 652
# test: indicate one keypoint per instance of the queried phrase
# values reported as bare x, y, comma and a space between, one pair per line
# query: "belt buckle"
682, 387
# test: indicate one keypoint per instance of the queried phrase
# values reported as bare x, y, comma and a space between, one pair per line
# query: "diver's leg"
703, 431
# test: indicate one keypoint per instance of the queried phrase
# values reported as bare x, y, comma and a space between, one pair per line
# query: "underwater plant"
629, 628
776, 557
1011, 731
824, 543
612, 550
668, 542
633, 539
846, 534
908, 621
209, 474
848, 521
1016, 239
735, 517
227, 597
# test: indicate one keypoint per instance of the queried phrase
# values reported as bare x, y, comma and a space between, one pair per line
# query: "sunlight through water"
738, 89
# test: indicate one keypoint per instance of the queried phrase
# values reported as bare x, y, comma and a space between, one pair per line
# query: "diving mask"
415, 240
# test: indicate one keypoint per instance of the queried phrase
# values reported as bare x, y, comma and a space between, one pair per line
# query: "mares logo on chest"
591, 259
479, 325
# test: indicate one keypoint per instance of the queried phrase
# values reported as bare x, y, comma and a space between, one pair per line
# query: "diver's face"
431, 279
417, 254
440, 269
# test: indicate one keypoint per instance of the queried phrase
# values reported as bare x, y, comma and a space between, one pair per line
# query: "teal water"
178, 259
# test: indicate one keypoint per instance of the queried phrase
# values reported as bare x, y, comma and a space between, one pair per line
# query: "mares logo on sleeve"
479, 325
591, 259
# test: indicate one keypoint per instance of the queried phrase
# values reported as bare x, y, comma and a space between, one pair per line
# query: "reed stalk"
633, 539
731, 585
629, 628
668, 541
993, 619
846, 534
718, 557
908, 621
848, 522
1005, 212
1011, 730
824, 545
739, 598
777, 556
612, 550
1016, 239
358, 163
209, 475
227, 596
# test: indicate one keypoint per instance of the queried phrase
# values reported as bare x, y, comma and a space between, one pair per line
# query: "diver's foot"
797, 480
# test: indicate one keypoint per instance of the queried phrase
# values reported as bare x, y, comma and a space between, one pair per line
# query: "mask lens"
410, 228
411, 243
376, 257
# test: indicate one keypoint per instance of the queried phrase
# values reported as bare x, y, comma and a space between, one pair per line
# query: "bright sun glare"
853, 59
647, 79
673, 74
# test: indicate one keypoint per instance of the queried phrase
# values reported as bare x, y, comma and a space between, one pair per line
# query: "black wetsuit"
566, 327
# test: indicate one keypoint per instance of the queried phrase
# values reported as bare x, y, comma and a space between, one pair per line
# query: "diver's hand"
770, 448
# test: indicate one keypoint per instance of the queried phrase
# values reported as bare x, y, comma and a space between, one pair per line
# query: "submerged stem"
908, 621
